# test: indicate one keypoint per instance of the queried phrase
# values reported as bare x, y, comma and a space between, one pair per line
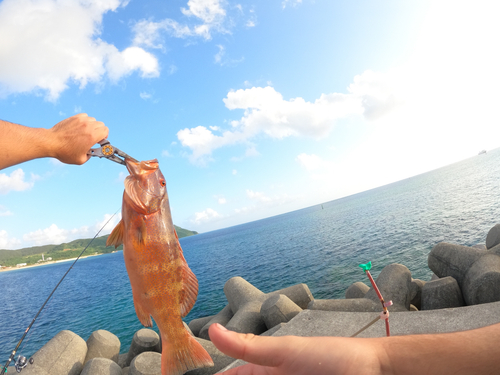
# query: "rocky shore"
462, 294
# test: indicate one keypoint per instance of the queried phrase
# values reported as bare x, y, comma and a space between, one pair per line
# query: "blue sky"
253, 108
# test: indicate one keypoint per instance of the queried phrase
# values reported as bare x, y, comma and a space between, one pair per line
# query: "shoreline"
6, 269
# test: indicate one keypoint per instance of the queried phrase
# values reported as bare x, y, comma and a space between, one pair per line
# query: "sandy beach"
5, 269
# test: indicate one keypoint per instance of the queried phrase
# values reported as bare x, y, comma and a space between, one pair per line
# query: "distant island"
38, 255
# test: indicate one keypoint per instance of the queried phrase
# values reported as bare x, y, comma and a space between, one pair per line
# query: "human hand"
298, 355
73, 137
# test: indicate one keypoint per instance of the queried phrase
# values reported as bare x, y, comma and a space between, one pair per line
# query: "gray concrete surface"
334, 323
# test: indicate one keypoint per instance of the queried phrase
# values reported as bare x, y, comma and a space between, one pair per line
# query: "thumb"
261, 350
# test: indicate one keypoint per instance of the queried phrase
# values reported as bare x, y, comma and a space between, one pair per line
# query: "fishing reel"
21, 363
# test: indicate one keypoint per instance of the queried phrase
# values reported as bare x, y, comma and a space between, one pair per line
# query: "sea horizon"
321, 246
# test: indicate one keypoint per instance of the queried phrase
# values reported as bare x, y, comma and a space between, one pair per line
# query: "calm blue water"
322, 247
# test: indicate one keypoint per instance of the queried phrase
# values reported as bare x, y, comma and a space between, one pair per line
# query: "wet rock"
103, 344
353, 305
394, 282
441, 294
357, 290
101, 366
278, 309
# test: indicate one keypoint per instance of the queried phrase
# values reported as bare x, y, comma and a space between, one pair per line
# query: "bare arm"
470, 352
68, 141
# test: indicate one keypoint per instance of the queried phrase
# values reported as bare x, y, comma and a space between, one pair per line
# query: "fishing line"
21, 361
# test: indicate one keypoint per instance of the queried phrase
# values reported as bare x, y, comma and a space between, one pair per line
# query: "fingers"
265, 351
74, 136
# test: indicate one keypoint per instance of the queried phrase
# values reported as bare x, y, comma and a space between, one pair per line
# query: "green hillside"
31, 255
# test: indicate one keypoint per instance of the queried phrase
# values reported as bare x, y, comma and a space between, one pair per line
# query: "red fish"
163, 286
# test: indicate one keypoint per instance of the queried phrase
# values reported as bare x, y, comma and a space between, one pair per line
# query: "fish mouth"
141, 167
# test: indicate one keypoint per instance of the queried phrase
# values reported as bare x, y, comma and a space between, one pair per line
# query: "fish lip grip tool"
110, 152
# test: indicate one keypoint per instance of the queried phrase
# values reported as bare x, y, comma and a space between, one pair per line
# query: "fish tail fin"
177, 359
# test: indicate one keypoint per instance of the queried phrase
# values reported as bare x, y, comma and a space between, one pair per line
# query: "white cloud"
55, 235
234, 172
123, 63
16, 181
145, 95
47, 45
267, 112
205, 216
7, 242
208, 15
209, 11
221, 200
50, 235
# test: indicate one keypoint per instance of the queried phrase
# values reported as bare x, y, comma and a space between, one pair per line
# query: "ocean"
320, 245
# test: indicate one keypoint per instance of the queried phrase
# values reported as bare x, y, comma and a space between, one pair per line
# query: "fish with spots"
163, 286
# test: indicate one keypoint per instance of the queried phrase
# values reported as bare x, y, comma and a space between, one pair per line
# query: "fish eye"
163, 183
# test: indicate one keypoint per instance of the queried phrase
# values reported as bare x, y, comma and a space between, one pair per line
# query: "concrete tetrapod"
477, 271
278, 309
394, 282
245, 302
147, 363
442, 293
357, 290
101, 366
144, 340
223, 317
103, 344
62, 355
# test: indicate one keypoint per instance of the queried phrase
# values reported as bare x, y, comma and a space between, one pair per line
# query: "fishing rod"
21, 361
384, 315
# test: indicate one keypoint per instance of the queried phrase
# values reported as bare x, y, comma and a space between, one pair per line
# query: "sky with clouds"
253, 108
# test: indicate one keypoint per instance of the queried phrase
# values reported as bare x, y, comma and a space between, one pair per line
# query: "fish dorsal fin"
190, 290
116, 237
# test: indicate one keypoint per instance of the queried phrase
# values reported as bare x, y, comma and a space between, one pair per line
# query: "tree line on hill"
33, 255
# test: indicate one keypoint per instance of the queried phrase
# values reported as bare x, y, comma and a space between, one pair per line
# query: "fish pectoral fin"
142, 232
190, 290
116, 237
142, 315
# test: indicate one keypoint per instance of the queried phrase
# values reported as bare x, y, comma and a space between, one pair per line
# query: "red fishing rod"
384, 315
